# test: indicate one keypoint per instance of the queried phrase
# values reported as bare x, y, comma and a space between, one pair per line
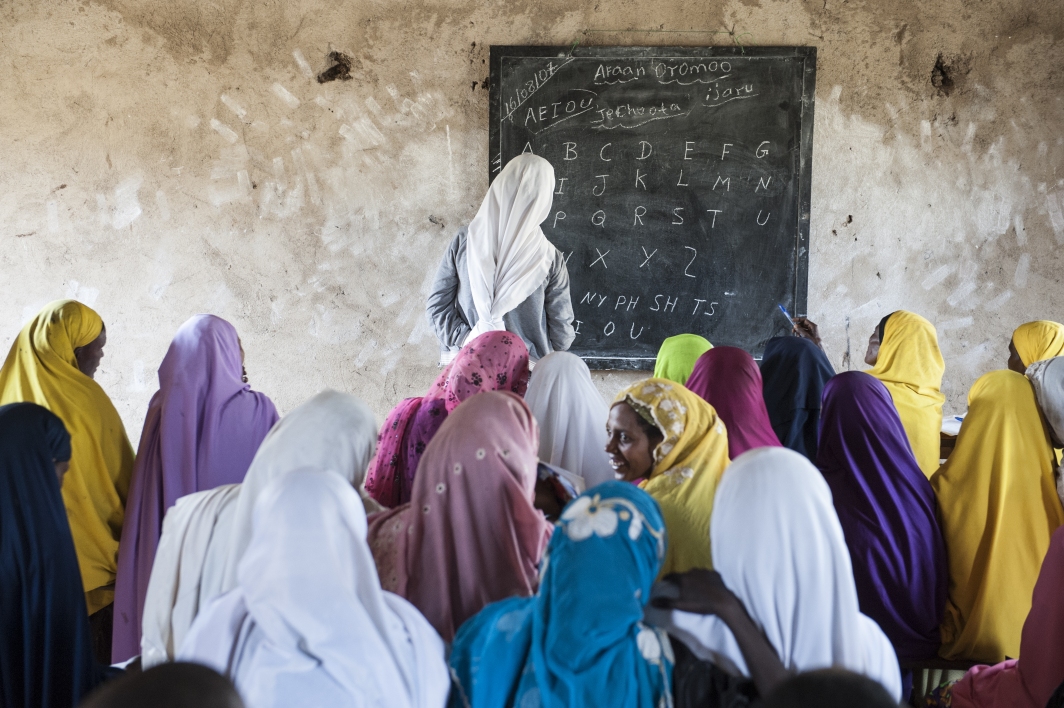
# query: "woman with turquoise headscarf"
581, 639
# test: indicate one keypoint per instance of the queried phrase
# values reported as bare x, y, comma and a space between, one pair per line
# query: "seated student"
779, 548
888, 513
571, 416
494, 361
1027, 682
205, 534
203, 427
673, 445
470, 534
580, 640
903, 353
52, 363
308, 623
177, 685
46, 653
677, 356
998, 508
794, 371
728, 379
1035, 341
501, 272
1047, 380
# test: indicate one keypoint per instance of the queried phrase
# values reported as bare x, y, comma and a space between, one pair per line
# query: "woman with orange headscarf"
903, 353
52, 363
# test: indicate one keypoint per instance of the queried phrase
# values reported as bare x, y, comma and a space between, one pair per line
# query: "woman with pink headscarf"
729, 380
470, 534
494, 361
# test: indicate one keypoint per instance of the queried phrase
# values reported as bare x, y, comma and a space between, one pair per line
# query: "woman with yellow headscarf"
998, 506
52, 363
903, 353
671, 442
1035, 341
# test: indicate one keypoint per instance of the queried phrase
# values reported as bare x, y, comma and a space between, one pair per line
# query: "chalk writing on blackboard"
682, 195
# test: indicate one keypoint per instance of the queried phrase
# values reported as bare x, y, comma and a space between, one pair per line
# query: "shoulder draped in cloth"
202, 430
888, 513
41, 368
46, 658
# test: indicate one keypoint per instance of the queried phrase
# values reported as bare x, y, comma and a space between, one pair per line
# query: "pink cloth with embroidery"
494, 361
470, 534
1027, 682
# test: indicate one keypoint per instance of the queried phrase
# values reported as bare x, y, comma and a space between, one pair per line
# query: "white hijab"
571, 416
778, 545
1047, 379
507, 255
175, 591
331, 431
308, 624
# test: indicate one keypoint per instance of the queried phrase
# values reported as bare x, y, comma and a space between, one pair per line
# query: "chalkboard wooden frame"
803, 174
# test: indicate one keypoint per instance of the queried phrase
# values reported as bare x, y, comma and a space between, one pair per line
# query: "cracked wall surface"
163, 159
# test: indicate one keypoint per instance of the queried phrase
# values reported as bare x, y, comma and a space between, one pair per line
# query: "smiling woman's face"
631, 443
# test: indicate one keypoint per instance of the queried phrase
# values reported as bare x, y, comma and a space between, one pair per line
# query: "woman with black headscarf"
46, 658
794, 371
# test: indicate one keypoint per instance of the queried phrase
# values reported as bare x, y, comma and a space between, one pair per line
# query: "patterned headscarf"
688, 463
494, 361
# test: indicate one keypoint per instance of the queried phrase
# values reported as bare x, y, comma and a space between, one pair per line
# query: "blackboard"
682, 198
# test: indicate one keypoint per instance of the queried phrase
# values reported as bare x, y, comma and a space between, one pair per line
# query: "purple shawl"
888, 513
202, 429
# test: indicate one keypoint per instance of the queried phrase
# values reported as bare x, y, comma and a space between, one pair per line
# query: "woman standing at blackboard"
501, 272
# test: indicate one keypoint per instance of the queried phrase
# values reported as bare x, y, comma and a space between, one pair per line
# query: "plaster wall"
162, 159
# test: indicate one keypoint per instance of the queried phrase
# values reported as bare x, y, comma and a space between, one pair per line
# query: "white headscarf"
1047, 379
331, 431
308, 624
571, 416
507, 255
174, 589
778, 545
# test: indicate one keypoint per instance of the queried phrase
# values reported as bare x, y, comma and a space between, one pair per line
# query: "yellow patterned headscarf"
677, 356
688, 464
998, 505
41, 368
910, 366
1038, 340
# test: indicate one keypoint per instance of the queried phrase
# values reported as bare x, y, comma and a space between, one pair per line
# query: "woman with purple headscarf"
203, 427
888, 513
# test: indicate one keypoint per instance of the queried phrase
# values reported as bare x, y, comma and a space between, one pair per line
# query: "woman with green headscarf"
677, 357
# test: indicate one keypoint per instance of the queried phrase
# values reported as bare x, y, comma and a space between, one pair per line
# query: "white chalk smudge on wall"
235, 107
85, 295
303, 64
1021, 232
1056, 218
959, 323
1000, 300
1023, 268
365, 353
227, 133
285, 95
139, 383
127, 206
937, 276
961, 297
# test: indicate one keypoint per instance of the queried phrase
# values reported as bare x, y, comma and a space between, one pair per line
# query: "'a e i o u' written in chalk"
682, 197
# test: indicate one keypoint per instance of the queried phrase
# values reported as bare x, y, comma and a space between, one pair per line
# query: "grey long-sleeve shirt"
544, 320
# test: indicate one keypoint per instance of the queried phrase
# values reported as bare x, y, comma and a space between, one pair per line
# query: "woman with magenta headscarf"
501, 272
202, 430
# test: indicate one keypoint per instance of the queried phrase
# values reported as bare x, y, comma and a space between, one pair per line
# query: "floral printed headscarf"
494, 361
581, 639
687, 466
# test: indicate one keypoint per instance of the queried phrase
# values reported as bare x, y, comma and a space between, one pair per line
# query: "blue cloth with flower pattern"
581, 640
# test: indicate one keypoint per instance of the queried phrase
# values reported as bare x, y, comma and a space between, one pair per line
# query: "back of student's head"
830, 688
177, 685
